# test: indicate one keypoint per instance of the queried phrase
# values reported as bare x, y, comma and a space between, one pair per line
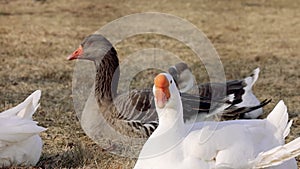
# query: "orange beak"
76, 54
162, 93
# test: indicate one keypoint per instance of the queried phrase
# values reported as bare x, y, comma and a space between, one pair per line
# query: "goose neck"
107, 77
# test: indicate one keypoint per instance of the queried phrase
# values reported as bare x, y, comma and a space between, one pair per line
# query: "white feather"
278, 155
187, 84
20, 143
249, 99
238, 144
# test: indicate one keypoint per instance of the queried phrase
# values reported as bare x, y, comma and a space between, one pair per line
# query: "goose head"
166, 94
183, 76
98, 49
94, 47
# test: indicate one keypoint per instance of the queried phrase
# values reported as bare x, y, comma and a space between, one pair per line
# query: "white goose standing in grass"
132, 113
241, 89
20, 143
238, 144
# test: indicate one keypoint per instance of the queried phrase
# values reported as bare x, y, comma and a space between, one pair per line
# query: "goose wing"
25, 109
14, 130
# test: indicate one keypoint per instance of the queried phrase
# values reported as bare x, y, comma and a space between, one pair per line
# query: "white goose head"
170, 130
167, 97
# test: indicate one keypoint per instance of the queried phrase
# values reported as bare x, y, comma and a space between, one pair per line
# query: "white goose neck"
170, 119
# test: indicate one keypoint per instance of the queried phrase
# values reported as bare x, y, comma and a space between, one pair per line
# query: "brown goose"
241, 89
133, 114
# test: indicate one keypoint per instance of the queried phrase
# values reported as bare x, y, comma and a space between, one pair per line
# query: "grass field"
36, 37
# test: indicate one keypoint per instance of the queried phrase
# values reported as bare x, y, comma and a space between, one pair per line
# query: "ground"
38, 35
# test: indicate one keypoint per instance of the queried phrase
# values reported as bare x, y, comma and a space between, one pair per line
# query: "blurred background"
36, 36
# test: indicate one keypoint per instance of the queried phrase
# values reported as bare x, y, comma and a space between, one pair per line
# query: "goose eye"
171, 81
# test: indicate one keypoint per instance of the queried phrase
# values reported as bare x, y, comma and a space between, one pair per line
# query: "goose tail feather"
278, 155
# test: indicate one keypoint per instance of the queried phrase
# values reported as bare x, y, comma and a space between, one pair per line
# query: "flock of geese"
163, 115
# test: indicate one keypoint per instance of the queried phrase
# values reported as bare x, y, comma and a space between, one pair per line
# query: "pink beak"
76, 54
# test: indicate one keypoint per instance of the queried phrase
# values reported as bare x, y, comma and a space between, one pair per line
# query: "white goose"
238, 144
20, 143
241, 89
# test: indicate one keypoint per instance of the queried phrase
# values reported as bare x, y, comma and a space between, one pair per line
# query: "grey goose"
133, 114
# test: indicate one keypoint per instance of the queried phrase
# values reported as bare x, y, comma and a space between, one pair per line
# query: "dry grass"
36, 36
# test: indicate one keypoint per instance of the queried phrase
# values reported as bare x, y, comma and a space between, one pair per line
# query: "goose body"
241, 89
238, 144
133, 113
20, 143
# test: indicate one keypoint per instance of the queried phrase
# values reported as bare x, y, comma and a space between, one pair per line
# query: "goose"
20, 143
133, 113
235, 144
241, 89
